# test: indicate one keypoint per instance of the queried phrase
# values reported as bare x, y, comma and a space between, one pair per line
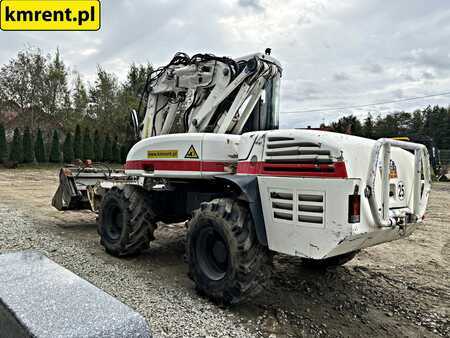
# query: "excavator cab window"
265, 115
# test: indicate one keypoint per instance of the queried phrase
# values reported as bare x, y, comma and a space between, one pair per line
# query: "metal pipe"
385, 180
420, 160
417, 179
370, 185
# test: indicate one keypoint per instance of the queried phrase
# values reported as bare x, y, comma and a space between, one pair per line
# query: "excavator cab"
265, 114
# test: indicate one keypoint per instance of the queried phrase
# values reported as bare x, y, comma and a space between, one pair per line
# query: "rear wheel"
226, 261
330, 262
126, 222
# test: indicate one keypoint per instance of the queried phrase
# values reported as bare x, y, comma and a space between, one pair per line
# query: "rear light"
354, 208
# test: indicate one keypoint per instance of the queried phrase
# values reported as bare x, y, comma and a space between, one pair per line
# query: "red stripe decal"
334, 170
176, 165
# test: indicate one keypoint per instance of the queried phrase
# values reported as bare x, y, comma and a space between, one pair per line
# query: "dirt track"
396, 289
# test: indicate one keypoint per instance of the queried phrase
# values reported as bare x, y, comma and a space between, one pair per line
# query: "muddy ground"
395, 289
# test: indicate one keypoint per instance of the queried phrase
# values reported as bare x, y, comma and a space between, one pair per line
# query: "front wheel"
126, 222
226, 261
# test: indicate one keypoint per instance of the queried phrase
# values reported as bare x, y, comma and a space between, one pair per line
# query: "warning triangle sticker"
191, 153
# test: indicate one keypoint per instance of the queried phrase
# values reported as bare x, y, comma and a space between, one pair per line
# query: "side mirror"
135, 122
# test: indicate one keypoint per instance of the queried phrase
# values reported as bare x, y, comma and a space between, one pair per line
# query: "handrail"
421, 162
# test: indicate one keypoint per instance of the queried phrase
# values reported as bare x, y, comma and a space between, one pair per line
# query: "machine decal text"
162, 154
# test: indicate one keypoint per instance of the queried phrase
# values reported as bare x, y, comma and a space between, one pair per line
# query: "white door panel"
306, 217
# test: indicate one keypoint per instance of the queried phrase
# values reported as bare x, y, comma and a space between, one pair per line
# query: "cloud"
436, 57
88, 51
398, 93
373, 68
253, 4
341, 76
428, 75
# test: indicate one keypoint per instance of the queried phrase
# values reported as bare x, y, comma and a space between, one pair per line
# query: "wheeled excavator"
211, 155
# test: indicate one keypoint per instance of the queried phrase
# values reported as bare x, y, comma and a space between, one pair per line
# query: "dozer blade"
83, 187
68, 196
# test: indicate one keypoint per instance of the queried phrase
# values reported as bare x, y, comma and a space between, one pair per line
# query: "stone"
40, 298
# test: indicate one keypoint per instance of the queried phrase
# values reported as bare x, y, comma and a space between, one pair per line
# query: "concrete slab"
40, 298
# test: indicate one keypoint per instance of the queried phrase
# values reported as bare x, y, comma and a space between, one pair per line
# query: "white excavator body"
210, 153
311, 183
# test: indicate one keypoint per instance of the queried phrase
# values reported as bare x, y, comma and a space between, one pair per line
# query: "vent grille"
306, 208
311, 208
286, 150
286, 142
282, 205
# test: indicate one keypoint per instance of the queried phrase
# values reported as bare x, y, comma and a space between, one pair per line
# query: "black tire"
226, 261
126, 222
329, 262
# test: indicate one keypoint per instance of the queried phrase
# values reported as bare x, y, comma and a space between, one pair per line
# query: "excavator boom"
206, 93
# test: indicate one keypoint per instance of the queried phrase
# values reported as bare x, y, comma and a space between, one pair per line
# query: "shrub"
123, 153
115, 148
88, 148
98, 153
107, 150
55, 153
68, 154
16, 151
39, 148
77, 144
28, 153
3, 145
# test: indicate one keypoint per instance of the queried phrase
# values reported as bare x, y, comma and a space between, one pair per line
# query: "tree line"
48, 110
23, 148
39, 93
431, 121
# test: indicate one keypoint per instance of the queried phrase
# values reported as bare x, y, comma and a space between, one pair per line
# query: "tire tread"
253, 268
140, 221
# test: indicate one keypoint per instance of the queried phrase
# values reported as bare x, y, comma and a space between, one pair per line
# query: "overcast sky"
334, 53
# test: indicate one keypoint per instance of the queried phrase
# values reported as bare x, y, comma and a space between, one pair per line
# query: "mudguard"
248, 186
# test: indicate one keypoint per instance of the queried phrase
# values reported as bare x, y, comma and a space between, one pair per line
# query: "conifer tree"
115, 149
98, 157
107, 150
28, 153
78, 144
55, 154
123, 153
88, 149
39, 148
48, 144
68, 154
16, 152
3, 145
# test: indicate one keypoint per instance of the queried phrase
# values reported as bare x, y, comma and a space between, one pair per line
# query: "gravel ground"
395, 289
172, 311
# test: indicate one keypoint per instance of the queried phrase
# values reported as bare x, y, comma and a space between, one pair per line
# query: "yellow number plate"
50, 15
162, 154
